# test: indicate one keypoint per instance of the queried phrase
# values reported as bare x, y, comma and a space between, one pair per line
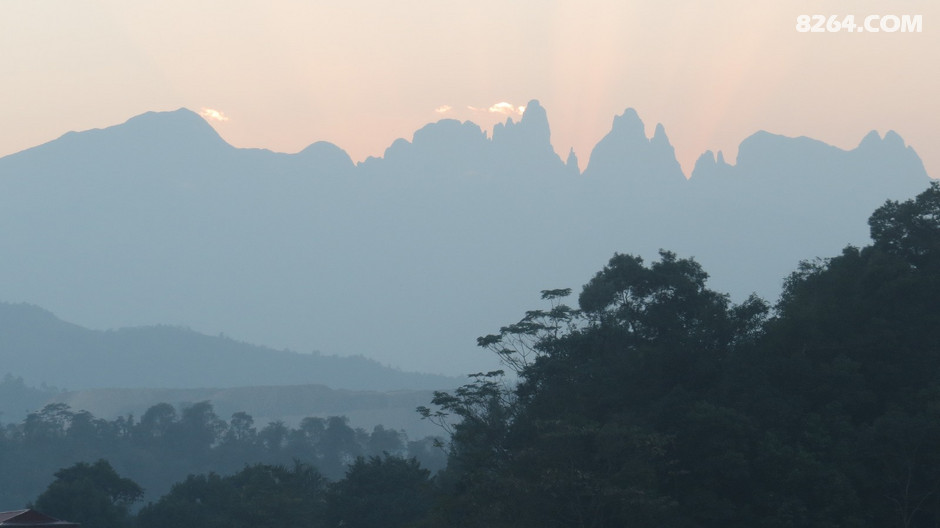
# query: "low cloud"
503, 108
443, 109
213, 114
506, 108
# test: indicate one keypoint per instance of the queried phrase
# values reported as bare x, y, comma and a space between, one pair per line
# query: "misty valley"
755, 345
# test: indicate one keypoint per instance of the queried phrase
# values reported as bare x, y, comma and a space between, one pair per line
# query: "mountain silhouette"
627, 155
41, 348
525, 147
408, 257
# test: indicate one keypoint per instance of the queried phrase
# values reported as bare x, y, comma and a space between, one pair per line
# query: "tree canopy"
657, 401
91, 495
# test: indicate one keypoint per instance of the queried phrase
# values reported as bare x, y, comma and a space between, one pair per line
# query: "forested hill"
40, 348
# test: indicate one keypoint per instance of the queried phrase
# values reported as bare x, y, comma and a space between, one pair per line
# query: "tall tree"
260, 496
381, 492
90, 494
588, 436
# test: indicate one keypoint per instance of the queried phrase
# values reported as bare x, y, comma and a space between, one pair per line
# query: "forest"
166, 444
647, 400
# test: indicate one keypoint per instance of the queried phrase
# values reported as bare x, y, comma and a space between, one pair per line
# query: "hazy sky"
360, 73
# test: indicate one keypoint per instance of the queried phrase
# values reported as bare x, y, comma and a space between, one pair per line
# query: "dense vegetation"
166, 444
379, 491
658, 402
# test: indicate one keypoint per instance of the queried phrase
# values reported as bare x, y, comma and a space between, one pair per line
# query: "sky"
360, 73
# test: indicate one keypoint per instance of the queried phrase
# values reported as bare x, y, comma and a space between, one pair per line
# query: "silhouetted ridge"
871, 140
572, 163
450, 147
326, 157
180, 123
447, 147
709, 166
154, 140
626, 153
413, 255
768, 151
532, 130
891, 145
42, 348
526, 145
20, 315
181, 131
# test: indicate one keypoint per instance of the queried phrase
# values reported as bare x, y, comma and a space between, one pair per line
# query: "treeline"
16, 397
379, 491
656, 401
166, 444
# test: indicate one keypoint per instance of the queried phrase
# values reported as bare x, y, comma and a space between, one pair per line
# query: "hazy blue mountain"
786, 194
17, 399
525, 147
446, 148
626, 154
40, 348
449, 148
407, 258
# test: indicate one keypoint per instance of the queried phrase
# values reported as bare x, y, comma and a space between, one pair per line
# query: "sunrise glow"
213, 114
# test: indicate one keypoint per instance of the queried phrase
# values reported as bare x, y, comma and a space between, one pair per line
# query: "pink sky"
362, 73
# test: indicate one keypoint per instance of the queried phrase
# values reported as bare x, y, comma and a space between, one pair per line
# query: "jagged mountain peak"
659, 136
571, 163
704, 161
628, 124
532, 128
871, 138
526, 146
660, 142
710, 165
891, 140
626, 151
120, 234
534, 112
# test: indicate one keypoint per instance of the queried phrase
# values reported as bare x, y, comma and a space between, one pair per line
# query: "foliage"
258, 496
380, 492
166, 444
90, 494
659, 402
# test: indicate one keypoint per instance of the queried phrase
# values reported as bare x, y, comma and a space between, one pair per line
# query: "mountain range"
407, 257
125, 371
41, 348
